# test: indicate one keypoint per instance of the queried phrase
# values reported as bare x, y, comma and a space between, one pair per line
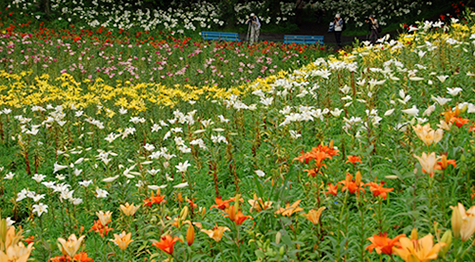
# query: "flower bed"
357, 157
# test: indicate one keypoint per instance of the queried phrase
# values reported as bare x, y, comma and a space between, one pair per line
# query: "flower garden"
117, 146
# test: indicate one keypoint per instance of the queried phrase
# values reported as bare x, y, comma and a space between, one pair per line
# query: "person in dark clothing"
374, 27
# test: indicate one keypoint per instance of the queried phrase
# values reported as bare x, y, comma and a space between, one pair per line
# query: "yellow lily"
422, 250
463, 221
71, 246
122, 240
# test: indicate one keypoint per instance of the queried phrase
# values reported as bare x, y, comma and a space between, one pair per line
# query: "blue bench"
207, 35
304, 39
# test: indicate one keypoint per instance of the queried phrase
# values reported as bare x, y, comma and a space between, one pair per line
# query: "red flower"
166, 243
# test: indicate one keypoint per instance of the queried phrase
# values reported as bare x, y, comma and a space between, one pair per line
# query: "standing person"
299, 5
374, 27
338, 29
254, 25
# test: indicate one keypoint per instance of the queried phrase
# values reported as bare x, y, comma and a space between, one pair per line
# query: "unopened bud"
184, 213
447, 239
190, 235
414, 234
282, 250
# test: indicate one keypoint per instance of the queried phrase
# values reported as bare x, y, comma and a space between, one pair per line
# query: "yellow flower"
427, 162
104, 217
290, 210
216, 233
427, 134
258, 205
16, 253
463, 222
129, 210
122, 240
10, 237
421, 250
71, 246
314, 215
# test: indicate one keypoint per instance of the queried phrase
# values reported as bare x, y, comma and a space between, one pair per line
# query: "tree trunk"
46, 5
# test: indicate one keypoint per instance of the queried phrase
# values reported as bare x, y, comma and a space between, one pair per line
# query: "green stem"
380, 221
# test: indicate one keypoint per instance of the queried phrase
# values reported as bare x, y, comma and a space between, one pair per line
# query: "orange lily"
444, 163
289, 210
235, 215
154, 199
99, 228
332, 190
458, 121
383, 244
220, 204
352, 185
378, 189
353, 160
82, 257
166, 243
314, 215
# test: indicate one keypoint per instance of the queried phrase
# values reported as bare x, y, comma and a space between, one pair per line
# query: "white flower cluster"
357, 11
106, 13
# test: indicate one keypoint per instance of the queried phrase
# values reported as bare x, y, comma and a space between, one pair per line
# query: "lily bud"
184, 213
447, 239
180, 198
282, 250
414, 235
358, 178
190, 235
278, 237
456, 221
443, 160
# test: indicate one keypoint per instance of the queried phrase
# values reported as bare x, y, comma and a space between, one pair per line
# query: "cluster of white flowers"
106, 13
357, 11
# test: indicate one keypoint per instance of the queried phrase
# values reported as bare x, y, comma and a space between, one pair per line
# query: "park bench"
207, 35
303, 39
